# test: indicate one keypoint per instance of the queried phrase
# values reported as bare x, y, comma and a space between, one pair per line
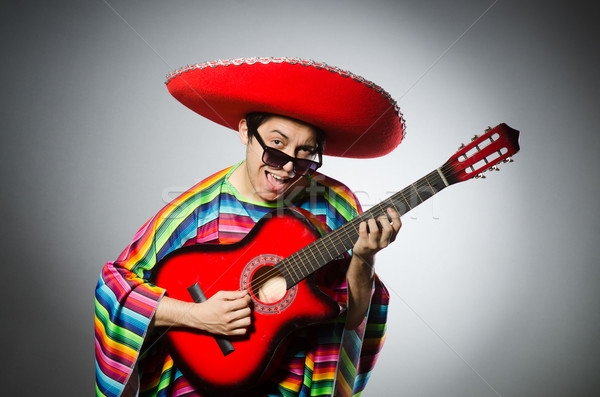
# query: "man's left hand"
374, 235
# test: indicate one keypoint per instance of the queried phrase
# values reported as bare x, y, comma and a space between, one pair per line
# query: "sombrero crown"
359, 118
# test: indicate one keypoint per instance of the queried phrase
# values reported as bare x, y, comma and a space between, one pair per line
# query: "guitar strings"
301, 264
304, 252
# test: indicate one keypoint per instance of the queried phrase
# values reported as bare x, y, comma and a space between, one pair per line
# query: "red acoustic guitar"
288, 243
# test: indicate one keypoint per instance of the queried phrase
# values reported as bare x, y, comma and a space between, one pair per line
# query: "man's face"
266, 183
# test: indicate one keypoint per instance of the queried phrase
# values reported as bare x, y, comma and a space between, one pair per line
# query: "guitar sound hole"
268, 285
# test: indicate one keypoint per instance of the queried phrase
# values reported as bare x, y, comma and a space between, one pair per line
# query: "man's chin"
272, 197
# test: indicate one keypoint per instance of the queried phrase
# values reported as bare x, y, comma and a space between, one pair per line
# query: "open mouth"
278, 182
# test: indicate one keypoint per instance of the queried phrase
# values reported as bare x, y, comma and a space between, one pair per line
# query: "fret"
404, 201
393, 204
283, 267
377, 210
327, 237
293, 257
304, 259
320, 248
312, 263
300, 265
320, 252
296, 268
313, 253
417, 192
348, 237
429, 183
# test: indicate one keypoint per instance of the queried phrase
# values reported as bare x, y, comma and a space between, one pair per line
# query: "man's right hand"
225, 313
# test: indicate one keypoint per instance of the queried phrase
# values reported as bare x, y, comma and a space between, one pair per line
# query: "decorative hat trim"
293, 61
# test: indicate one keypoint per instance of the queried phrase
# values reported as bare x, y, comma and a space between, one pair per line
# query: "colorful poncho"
214, 212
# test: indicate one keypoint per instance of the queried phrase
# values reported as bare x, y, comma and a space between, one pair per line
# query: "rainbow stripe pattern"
214, 212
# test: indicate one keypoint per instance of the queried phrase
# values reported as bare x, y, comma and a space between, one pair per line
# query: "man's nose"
289, 167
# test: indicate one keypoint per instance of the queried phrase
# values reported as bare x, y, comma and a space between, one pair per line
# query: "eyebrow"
310, 148
282, 134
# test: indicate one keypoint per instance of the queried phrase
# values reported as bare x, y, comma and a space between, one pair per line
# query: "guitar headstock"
482, 154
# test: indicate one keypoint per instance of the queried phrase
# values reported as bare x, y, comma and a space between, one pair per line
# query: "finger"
239, 327
363, 230
241, 323
238, 304
387, 232
241, 314
229, 295
395, 219
373, 231
237, 331
396, 223
392, 212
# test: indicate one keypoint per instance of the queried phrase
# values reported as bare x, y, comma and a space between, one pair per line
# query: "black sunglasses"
276, 158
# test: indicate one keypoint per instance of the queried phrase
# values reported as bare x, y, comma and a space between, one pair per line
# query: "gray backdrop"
493, 282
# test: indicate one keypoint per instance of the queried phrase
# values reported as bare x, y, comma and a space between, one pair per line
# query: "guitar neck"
309, 259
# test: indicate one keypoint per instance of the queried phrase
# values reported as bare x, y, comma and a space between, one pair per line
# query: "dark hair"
256, 119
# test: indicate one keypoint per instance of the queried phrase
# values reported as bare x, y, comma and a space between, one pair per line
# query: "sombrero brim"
360, 119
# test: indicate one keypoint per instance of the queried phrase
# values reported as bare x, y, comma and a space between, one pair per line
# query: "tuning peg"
462, 146
508, 160
480, 175
475, 137
488, 129
494, 168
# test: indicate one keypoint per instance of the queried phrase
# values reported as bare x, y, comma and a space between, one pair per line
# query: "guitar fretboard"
314, 256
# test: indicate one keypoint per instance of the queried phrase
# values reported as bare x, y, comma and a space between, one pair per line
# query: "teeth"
278, 178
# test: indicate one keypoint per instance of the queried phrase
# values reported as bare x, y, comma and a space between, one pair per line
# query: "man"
288, 113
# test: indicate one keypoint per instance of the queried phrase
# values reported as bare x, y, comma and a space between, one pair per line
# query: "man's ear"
243, 130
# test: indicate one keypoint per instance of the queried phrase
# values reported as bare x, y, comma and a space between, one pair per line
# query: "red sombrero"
359, 118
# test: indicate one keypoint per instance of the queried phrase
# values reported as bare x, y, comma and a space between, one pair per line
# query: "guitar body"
244, 265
